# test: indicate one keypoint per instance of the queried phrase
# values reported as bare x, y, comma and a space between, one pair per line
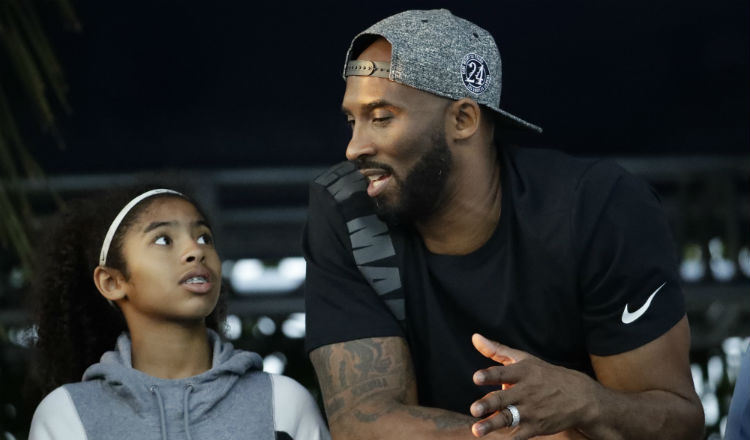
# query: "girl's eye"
205, 239
162, 240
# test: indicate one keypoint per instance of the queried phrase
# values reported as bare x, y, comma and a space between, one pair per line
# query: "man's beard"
421, 193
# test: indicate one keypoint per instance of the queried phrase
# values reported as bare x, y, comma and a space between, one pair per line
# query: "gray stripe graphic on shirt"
342, 181
382, 279
369, 236
372, 242
370, 239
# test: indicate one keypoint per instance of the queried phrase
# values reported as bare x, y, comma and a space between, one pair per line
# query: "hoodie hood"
172, 401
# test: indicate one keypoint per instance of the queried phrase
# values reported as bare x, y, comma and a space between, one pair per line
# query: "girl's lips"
196, 273
197, 281
198, 287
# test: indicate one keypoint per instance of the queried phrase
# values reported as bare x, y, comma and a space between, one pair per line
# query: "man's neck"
471, 209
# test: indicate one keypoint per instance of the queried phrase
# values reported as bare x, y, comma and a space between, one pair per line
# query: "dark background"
244, 97
188, 84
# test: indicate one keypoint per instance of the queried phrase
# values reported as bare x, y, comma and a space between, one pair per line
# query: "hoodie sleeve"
56, 417
296, 415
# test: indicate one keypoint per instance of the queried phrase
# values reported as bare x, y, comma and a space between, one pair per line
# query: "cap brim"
508, 120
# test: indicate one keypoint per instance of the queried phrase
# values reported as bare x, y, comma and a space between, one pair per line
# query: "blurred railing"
258, 215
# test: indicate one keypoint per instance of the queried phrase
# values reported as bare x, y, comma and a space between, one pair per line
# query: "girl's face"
175, 272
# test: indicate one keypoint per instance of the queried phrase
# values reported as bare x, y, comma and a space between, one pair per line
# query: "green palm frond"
34, 74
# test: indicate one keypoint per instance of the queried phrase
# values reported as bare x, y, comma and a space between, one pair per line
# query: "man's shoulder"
340, 194
554, 191
340, 182
555, 167
552, 177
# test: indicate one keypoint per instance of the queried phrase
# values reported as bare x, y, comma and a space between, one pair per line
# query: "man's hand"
549, 399
646, 392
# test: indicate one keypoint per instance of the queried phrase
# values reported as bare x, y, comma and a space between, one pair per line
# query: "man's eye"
205, 239
350, 123
381, 121
163, 240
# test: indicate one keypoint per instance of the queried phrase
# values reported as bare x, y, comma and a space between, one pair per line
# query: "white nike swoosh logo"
628, 317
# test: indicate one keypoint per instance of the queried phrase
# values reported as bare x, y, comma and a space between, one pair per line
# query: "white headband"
116, 223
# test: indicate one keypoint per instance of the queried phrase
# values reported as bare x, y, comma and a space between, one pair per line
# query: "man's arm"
644, 393
369, 392
649, 391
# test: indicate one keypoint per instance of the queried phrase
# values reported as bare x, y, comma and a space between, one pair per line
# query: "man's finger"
495, 350
499, 375
494, 401
499, 420
524, 433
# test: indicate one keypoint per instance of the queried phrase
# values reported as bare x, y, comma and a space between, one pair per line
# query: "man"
435, 235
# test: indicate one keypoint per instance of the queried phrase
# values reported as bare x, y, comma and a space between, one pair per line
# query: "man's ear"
464, 117
110, 282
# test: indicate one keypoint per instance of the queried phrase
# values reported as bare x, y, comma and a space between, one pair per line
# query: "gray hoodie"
232, 400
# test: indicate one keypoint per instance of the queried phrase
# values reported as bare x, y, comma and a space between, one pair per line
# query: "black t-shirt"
581, 262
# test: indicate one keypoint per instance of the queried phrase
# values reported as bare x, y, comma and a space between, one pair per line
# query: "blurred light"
233, 327
25, 336
744, 260
294, 326
716, 247
692, 268
733, 348
274, 363
251, 276
265, 326
697, 373
244, 273
715, 370
711, 409
8, 436
16, 278
722, 268
293, 268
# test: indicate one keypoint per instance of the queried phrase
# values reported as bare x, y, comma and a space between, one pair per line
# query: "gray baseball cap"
439, 53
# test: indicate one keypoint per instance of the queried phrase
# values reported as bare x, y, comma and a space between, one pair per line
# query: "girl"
154, 294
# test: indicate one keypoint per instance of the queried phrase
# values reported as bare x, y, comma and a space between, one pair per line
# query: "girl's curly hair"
75, 323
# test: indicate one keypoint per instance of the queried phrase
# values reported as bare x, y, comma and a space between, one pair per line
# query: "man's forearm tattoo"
369, 354
369, 378
378, 383
356, 370
325, 376
342, 374
443, 420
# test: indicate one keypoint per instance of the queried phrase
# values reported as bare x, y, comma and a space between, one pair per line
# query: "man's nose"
359, 145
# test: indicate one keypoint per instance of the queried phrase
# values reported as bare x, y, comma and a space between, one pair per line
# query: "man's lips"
379, 180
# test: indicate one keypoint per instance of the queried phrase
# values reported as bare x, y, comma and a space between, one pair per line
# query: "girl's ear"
110, 282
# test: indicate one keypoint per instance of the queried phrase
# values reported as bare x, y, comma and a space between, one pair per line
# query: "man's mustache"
363, 163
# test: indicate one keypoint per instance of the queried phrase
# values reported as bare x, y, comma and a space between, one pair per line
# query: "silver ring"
515, 414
